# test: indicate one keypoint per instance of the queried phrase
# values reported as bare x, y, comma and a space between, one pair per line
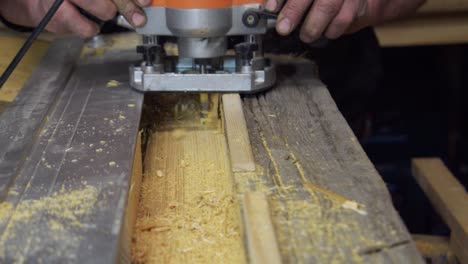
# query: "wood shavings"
352, 205
113, 83
62, 209
187, 211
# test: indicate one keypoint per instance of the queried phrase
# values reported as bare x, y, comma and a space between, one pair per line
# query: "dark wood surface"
67, 190
329, 204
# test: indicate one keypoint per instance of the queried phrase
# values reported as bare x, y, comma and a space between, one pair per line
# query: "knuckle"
310, 33
295, 8
343, 21
123, 6
110, 14
328, 8
110, 11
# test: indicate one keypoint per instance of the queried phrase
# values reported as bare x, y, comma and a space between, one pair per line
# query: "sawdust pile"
55, 217
202, 231
188, 211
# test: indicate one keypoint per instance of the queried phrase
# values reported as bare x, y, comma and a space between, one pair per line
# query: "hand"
68, 18
333, 18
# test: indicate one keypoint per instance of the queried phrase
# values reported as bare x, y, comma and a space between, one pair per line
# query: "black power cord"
27, 44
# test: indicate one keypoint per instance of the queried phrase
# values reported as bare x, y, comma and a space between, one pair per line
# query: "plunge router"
201, 29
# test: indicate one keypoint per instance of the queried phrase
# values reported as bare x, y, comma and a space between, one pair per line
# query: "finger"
102, 9
343, 20
318, 19
69, 20
362, 20
131, 12
291, 15
274, 5
143, 3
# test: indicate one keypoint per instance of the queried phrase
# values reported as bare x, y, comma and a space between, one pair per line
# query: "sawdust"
188, 211
55, 217
113, 83
202, 231
312, 224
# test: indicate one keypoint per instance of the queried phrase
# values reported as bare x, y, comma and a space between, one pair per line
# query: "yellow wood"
259, 231
188, 211
240, 151
449, 198
132, 205
9, 46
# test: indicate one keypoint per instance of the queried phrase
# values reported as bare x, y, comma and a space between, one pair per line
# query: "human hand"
68, 18
333, 18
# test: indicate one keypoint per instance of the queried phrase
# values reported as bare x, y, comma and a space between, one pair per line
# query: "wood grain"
131, 209
260, 234
449, 198
328, 202
236, 133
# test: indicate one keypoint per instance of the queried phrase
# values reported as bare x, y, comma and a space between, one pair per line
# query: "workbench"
280, 172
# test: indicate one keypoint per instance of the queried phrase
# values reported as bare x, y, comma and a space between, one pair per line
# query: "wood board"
328, 202
449, 198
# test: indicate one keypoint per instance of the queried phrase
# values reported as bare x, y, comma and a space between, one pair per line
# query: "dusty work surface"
68, 141
329, 203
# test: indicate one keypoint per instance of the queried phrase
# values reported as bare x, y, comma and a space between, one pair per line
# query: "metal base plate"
226, 81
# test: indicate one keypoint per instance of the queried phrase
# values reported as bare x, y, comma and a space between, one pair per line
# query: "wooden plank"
260, 234
237, 136
75, 142
449, 198
21, 121
424, 30
128, 227
328, 202
443, 6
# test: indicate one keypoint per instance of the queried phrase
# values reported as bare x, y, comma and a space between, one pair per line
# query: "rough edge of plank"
449, 198
237, 135
262, 246
125, 253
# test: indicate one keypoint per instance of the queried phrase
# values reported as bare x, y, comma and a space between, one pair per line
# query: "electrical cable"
28, 43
